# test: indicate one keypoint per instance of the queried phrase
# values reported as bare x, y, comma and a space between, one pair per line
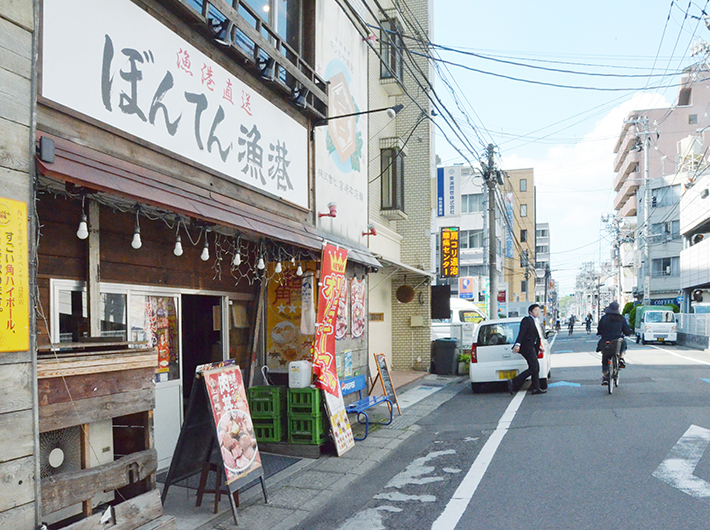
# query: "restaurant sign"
112, 61
14, 277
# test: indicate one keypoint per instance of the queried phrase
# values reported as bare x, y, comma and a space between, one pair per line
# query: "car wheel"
543, 383
549, 374
643, 342
477, 388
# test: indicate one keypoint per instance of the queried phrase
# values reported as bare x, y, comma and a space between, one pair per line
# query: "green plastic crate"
268, 402
309, 429
268, 430
304, 401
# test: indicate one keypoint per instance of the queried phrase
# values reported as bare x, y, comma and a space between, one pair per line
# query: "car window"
470, 316
444, 320
655, 317
496, 334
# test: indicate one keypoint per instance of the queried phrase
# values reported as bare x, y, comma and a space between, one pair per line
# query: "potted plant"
464, 363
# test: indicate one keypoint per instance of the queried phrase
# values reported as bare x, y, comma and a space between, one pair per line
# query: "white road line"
681, 356
456, 507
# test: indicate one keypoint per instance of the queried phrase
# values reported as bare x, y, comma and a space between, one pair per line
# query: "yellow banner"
14, 277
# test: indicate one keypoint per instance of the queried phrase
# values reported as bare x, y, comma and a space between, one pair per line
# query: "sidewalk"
305, 487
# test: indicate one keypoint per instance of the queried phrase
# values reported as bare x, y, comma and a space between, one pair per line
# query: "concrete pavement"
302, 489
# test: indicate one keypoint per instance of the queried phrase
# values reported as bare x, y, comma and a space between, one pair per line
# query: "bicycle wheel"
617, 372
610, 366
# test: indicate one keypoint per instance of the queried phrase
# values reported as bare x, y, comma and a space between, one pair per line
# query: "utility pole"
646, 135
492, 176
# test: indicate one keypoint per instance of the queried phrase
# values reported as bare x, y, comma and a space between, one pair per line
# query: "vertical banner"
341, 327
14, 277
285, 340
449, 252
509, 251
503, 302
448, 192
230, 411
357, 300
332, 282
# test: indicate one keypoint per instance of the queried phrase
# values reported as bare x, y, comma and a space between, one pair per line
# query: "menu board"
384, 376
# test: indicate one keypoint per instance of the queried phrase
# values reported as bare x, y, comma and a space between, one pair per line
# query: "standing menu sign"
217, 429
383, 374
332, 282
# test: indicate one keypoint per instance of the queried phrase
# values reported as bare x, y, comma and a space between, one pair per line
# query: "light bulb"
278, 268
261, 264
237, 259
178, 246
83, 231
205, 253
137, 243
299, 270
293, 261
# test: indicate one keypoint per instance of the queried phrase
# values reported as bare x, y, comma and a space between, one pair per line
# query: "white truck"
655, 324
464, 318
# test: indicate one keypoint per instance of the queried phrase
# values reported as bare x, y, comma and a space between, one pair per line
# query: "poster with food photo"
235, 431
285, 341
341, 324
357, 299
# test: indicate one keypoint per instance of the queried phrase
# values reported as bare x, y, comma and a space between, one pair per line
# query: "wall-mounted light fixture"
237, 260
222, 31
391, 113
332, 211
371, 231
267, 68
299, 96
178, 246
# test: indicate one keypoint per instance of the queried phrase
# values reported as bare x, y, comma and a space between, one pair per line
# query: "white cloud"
575, 188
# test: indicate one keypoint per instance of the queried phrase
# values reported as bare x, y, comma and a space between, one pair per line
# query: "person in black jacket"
528, 345
611, 326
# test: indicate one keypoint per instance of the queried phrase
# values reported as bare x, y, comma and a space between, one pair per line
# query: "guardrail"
693, 324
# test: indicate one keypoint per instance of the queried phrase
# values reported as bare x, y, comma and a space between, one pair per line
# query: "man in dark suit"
528, 345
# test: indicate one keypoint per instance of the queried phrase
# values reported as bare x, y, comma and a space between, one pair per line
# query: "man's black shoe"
511, 391
538, 391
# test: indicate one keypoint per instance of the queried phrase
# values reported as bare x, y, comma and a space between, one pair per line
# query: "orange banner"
332, 282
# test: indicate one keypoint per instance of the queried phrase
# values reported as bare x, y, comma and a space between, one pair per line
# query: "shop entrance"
201, 336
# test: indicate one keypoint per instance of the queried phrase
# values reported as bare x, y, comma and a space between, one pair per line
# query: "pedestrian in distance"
611, 326
571, 324
588, 322
528, 345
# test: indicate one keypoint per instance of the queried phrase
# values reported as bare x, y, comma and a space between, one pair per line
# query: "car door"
495, 342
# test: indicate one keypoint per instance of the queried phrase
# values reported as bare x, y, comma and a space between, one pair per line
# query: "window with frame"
523, 236
665, 231
472, 203
523, 184
471, 238
542, 249
663, 267
392, 179
524, 286
391, 49
523, 210
666, 196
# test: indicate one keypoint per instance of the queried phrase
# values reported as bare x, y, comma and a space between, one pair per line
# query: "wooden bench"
358, 384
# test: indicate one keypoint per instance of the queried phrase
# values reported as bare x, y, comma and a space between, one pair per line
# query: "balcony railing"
256, 44
626, 144
628, 167
627, 190
629, 208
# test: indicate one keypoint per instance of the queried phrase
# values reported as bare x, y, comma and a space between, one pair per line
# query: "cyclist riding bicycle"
612, 326
571, 324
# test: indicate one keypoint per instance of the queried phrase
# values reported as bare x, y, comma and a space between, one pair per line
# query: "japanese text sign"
449, 252
14, 277
332, 282
112, 61
235, 431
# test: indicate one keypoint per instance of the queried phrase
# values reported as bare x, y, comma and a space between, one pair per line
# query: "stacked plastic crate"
267, 405
307, 420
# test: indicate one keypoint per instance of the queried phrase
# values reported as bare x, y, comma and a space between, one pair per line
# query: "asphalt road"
576, 457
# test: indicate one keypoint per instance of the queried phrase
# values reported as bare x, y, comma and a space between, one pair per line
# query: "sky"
566, 135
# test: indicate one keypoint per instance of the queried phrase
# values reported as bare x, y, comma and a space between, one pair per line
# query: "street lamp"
391, 113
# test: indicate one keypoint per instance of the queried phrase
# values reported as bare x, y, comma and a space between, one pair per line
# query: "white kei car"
492, 356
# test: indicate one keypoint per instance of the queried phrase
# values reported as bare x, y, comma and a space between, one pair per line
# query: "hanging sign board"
449, 252
14, 277
383, 373
217, 429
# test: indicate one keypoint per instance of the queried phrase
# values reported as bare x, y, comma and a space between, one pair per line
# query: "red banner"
332, 283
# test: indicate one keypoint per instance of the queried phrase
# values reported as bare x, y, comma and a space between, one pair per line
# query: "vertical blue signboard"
440, 192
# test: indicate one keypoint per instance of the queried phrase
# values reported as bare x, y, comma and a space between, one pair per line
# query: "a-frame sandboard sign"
218, 429
383, 374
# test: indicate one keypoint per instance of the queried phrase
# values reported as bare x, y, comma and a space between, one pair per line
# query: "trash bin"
444, 356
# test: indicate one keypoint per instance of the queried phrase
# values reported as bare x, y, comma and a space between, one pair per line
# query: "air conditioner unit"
668, 270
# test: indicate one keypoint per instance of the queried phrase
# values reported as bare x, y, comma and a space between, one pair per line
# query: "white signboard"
112, 61
341, 146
